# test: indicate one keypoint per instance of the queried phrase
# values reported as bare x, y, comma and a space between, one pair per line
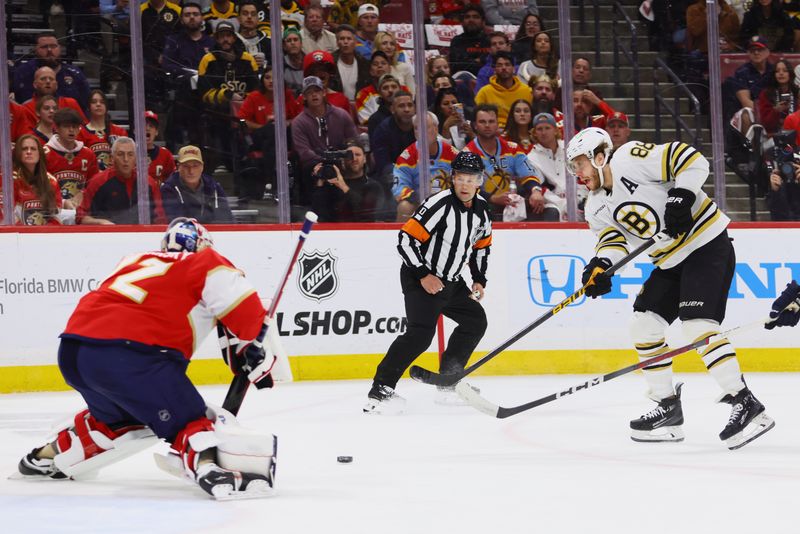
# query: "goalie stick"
429, 377
240, 383
482, 404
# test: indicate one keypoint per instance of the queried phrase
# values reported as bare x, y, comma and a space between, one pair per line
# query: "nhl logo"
318, 279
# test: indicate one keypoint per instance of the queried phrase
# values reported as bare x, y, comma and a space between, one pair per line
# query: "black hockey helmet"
468, 163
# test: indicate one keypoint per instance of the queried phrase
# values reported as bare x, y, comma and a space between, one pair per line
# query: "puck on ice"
344, 459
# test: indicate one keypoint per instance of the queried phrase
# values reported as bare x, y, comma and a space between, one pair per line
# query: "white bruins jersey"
633, 212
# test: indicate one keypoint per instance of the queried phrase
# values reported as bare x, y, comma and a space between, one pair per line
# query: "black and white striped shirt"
443, 234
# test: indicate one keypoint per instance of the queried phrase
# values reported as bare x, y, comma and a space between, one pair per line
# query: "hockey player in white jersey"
646, 189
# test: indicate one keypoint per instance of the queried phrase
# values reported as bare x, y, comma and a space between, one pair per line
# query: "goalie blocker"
126, 348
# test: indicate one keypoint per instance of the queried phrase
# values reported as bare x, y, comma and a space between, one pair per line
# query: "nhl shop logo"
318, 279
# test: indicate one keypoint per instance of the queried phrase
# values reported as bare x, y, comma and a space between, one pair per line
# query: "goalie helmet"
585, 143
467, 162
186, 235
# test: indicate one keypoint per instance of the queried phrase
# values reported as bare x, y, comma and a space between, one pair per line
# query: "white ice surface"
567, 467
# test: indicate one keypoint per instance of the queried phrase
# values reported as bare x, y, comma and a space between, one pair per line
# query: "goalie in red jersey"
126, 348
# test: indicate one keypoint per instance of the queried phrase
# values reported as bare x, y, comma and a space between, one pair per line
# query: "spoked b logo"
554, 277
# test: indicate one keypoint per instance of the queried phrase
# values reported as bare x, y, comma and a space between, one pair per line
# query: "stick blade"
474, 399
429, 377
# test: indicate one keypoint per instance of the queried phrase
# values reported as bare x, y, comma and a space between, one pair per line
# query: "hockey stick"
481, 404
240, 383
430, 377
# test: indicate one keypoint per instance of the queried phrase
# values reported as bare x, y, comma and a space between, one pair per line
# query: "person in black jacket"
350, 195
190, 193
468, 50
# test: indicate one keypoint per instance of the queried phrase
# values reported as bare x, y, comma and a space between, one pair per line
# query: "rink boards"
343, 306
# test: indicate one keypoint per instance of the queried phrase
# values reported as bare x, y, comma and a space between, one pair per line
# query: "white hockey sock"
658, 376
727, 373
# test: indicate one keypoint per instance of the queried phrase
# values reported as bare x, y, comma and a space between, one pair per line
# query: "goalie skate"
747, 420
662, 423
229, 485
383, 400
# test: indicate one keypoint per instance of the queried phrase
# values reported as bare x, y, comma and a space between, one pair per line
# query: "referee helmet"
467, 162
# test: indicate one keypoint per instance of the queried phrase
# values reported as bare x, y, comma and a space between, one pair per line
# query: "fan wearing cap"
321, 64
618, 128
740, 92
190, 192
318, 128
366, 29
160, 160
225, 76
314, 34
293, 57
548, 155
111, 196
367, 97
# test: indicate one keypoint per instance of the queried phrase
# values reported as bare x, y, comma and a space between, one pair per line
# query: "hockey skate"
747, 420
226, 485
33, 467
447, 396
662, 423
383, 400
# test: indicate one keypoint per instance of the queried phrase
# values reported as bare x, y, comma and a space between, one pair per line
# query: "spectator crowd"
349, 94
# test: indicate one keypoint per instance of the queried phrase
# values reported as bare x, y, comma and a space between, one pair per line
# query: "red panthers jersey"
71, 169
169, 300
27, 204
161, 164
20, 122
100, 141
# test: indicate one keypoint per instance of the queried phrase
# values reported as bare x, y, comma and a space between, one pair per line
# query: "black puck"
344, 459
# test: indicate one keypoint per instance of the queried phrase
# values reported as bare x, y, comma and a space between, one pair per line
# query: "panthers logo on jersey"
440, 181
498, 182
638, 219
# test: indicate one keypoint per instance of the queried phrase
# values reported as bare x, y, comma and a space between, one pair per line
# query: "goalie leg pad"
90, 445
244, 460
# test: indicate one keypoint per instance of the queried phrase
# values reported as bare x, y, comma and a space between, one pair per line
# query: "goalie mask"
186, 235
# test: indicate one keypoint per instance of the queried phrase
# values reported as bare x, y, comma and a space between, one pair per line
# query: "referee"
449, 229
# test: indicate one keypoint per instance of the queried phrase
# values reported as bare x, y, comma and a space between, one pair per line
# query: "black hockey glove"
678, 212
252, 359
595, 274
786, 308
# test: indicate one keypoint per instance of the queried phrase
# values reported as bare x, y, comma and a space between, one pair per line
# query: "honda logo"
554, 277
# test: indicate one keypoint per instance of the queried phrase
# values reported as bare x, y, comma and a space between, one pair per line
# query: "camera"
329, 160
784, 153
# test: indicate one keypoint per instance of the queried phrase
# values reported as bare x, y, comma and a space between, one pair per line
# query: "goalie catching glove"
595, 275
250, 358
678, 212
786, 308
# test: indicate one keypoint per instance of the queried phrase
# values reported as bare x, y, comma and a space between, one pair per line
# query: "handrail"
582, 28
679, 89
631, 53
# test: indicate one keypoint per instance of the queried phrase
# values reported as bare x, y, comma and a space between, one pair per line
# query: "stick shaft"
240, 383
428, 377
503, 412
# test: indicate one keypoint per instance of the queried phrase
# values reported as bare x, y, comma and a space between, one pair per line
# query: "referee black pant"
422, 312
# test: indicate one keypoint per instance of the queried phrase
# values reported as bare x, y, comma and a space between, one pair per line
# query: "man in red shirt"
161, 162
126, 348
68, 159
44, 83
111, 197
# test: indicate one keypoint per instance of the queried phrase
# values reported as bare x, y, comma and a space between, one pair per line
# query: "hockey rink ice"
567, 467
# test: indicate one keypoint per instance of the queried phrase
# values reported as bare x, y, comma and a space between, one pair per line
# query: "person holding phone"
778, 99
